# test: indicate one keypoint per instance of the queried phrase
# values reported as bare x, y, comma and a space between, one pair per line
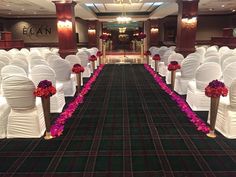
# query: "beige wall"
81, 28
33, 30
40, 30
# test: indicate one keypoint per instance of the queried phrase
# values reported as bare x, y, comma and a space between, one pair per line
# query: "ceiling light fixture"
129, 1
123, 18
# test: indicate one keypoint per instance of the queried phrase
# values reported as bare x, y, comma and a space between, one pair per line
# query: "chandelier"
122, 30
123, 18
129, 1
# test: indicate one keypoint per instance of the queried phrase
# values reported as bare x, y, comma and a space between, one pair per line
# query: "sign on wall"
36, 30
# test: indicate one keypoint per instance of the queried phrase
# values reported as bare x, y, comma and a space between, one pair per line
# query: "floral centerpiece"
99, 54
93, 58
104, 37
214, 90
147, 54
45, 90
173, 66
78, 69
156, 58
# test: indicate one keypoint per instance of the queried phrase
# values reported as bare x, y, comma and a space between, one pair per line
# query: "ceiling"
107, 10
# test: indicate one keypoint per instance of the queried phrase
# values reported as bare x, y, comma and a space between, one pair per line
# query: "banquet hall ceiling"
107, 10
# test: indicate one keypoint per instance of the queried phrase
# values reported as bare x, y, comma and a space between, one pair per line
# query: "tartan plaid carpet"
126, 127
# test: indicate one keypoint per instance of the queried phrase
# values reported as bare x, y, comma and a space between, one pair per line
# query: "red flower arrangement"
92, 58
174, 65
216, 89
77, 68
147, 53
45, 89
104, 37
99, 54
156, 57
142, 36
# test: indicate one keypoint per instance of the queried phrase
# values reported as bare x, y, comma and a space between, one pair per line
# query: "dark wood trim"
52, 44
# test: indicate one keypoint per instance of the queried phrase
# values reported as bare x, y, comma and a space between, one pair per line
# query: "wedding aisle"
126, 127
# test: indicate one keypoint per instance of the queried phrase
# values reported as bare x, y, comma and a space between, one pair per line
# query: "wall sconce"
189, 22
91, 31
64, 24
154, 30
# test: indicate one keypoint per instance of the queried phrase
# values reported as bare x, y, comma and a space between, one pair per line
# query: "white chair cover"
186, 74
225, 56
212, 48
42, 72
196, 97
226, 115
4, 112
38, 62
164, 62
85, 63
5, 60
173, 57
228, 61
211, 53
25, 119
223, 50
212, 58
63, 75
21, 64
73, 59
9, 70
229, 74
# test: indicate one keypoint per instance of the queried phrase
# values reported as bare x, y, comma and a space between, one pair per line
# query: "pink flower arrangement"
99, 54
77, 68
156, 57
45, 89
192, 116
147, 53
174, 65
216, 89
92, 58
58, 126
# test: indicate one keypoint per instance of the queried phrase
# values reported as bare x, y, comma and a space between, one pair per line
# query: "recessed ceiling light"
211, 9
22, 9
8, 5
35, 12
89, 4
222, 5
233, 10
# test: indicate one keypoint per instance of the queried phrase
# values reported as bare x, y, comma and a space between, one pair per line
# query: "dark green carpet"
127, 127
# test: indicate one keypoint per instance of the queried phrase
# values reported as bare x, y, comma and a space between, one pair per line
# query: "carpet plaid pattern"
126, 127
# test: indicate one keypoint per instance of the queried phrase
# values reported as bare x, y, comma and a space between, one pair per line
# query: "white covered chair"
173, 57
5, 60
212, 48
186, 74
62, 69
211, 53
164, 62
73, 59
212, 58
226, 115
229, 74
21, 64
26, 119
228, 61
38, 62
42, 72
4, 112
85, 63
9, 70
225, 56
204, 74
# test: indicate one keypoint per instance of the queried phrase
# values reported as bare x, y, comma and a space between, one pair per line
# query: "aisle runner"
58, 126
192, 116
